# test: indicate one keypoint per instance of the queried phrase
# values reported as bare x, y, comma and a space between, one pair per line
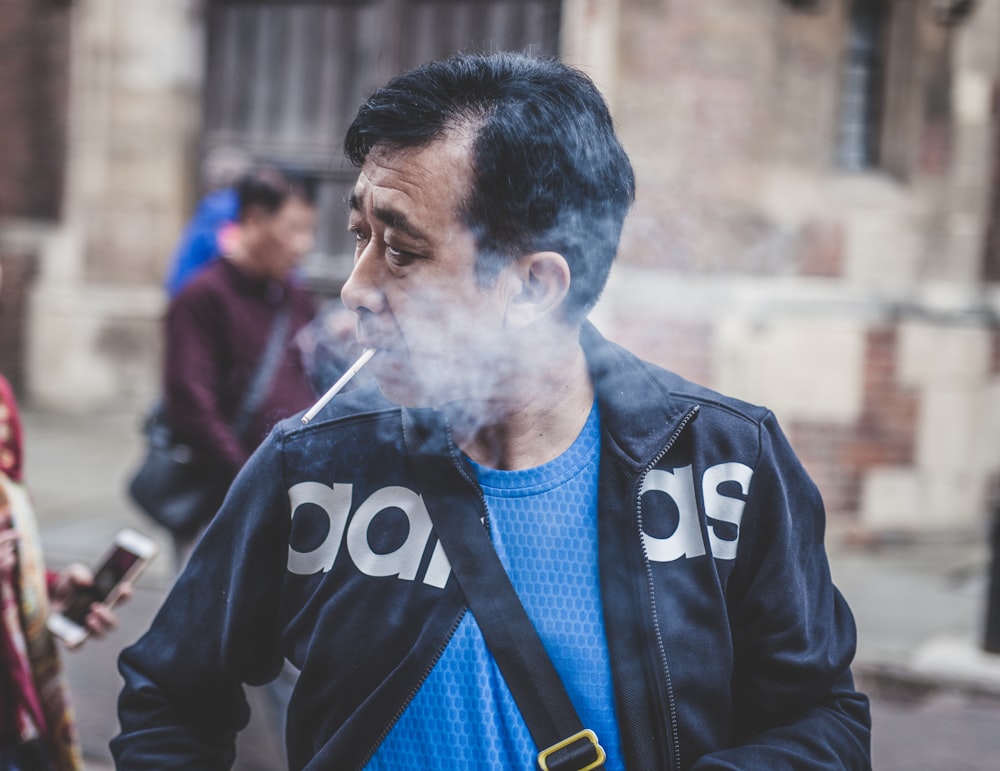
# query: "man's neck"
537, 419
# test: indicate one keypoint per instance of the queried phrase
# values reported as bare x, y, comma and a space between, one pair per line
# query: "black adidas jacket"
730, 646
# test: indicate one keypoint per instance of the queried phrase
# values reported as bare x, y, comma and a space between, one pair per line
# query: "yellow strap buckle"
586, 733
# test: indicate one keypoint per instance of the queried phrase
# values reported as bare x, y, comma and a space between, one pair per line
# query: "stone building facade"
846, 293
815, 226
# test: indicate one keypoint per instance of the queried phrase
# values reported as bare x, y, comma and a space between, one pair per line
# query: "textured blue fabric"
543, 523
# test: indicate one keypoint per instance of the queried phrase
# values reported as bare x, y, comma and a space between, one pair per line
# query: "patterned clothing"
10, 434
34, 708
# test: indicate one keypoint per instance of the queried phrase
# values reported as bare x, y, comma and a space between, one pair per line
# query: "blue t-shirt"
543, 522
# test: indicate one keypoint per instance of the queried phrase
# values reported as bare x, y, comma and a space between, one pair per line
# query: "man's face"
414, 288
275, 244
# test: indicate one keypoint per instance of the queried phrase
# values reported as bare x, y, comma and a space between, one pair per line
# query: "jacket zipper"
405, 705
673, 745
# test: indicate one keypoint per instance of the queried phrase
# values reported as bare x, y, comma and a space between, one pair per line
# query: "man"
219, 326
663, 539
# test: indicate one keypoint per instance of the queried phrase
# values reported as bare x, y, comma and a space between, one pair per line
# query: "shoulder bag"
172, 485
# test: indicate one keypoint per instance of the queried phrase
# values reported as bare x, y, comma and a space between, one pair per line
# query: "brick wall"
849, 302
838, 456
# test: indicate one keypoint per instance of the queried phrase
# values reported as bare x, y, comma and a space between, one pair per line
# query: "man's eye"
398, 256
360, 236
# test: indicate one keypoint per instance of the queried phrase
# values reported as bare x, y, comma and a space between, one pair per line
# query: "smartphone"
128, 556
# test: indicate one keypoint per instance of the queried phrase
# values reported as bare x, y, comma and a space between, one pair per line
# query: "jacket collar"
638, 411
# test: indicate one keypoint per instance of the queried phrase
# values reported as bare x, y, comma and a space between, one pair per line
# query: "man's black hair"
549, 172
269, 186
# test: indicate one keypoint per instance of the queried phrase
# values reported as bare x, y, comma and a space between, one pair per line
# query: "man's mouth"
380, 343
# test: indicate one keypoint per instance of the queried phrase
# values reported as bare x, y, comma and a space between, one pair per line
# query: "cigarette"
341, 382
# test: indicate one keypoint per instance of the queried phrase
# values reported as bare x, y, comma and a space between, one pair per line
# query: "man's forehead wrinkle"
407, 162
396, 186
369, 196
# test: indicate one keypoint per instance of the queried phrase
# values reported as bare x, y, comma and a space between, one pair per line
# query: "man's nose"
362, 290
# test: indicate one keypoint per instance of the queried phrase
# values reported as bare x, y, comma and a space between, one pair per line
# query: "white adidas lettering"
403, 561
686, 539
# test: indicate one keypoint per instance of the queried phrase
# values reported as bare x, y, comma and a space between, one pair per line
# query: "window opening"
861, 85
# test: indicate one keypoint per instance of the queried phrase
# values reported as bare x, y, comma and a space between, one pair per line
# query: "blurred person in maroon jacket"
219, 326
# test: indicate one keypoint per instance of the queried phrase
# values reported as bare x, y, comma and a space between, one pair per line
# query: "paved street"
919, 606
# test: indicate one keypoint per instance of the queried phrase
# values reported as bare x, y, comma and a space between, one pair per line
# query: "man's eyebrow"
389, 217
397, 221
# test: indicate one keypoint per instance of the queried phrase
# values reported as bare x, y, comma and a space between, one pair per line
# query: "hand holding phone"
125, 560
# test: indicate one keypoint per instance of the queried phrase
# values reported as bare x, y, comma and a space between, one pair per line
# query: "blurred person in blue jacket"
211, 228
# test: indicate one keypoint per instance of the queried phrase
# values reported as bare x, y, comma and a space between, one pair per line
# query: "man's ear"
540, 282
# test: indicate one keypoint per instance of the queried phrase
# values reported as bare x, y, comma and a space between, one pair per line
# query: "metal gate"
285, 78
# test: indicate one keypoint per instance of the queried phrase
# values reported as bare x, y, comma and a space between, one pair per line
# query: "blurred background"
817, 228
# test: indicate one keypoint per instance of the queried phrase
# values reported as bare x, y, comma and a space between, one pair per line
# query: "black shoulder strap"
563, 742
264, 374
